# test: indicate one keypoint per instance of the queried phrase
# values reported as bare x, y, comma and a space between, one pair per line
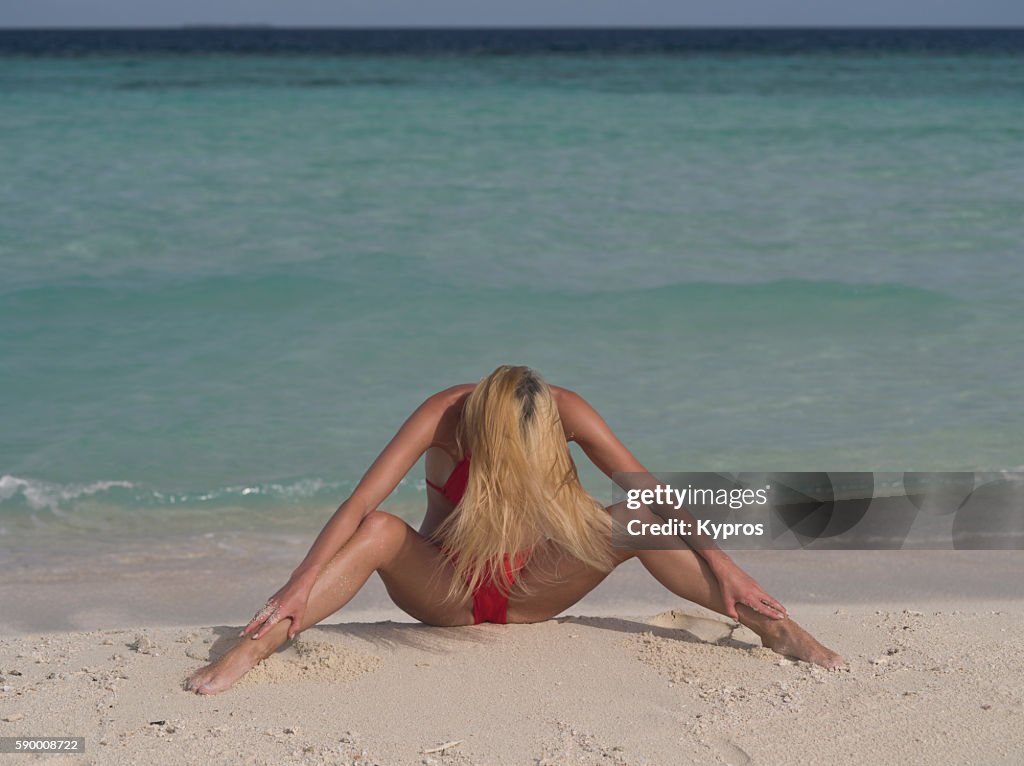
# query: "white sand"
923, 686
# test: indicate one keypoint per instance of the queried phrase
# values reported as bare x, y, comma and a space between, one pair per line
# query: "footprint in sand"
700, 645
702, 628
730, 752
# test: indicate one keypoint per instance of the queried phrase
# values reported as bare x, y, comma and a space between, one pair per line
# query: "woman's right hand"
289, 603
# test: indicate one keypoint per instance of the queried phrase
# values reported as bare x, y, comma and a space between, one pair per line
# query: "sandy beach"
630, 675
243, 244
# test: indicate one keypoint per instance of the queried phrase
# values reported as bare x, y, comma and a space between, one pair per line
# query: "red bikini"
489, 603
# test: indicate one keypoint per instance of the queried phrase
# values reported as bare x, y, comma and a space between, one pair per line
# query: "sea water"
229, 270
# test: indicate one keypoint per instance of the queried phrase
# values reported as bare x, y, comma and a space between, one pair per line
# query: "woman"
509, 535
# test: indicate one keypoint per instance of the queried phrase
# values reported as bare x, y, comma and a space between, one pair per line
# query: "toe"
196, 680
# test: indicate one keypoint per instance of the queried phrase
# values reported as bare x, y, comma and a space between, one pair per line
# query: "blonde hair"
523, 487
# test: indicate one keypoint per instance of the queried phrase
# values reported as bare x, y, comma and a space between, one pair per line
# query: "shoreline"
167, 584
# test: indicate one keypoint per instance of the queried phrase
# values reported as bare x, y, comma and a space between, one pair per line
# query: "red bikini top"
453, 489
455, 485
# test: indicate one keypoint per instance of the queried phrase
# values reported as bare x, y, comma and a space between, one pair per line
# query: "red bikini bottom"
490, 604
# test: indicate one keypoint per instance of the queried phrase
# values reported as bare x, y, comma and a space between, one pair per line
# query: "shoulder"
576, 413
569, 402
445, 407
454, 396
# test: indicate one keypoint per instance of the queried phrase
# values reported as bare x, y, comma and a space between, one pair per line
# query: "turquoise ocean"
226, 277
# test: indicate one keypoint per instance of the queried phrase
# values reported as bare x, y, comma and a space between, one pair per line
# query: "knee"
382, 525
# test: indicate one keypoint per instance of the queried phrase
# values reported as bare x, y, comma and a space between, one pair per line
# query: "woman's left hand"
740, 588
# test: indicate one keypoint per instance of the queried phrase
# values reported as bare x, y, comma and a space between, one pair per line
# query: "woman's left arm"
586, 427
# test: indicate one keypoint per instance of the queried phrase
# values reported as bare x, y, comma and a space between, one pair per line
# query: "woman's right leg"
413, 570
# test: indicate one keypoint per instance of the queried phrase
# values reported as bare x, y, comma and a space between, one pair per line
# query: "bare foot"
222, 674
789, 639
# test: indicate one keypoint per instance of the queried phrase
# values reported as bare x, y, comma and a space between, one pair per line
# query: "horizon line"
515, 27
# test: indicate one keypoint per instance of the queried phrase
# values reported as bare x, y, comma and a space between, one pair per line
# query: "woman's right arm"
393, 463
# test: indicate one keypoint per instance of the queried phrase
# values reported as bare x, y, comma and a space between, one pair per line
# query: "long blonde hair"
523, 487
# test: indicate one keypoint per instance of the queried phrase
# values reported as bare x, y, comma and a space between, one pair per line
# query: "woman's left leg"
556, 582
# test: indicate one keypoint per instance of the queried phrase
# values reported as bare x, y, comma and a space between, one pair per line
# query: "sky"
99, 13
